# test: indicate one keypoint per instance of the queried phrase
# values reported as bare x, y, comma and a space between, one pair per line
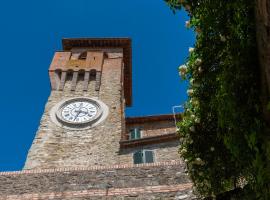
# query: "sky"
31, 31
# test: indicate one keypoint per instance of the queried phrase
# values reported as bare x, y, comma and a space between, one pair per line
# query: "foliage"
222, 131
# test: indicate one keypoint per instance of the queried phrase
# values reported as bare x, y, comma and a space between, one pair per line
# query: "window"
143, 156
135, 133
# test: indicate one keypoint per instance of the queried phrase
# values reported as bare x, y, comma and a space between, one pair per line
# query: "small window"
143, 156
135, 133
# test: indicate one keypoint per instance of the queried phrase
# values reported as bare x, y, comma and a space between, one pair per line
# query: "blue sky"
31, 31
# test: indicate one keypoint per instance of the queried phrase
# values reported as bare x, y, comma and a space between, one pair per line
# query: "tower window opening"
83, 55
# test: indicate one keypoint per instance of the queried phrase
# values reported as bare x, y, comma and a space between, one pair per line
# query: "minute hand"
79, 111
77, 115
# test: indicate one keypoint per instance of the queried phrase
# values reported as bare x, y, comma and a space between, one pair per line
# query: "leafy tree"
223, 135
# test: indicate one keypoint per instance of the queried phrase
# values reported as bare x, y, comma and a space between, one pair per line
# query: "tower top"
104, 43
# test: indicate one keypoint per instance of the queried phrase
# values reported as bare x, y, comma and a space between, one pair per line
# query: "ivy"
222, 132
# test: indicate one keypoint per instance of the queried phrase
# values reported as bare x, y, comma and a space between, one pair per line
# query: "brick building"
85, 147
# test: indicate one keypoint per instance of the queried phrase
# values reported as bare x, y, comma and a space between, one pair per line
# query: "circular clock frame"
100, 115
74, 112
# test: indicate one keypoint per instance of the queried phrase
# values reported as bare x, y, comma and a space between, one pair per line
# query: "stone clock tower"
85, 148
84, 116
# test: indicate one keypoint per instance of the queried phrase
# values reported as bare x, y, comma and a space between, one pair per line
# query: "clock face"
78, 111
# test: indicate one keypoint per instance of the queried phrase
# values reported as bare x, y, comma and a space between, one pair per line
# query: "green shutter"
148, 156
138, 157
133, 134
137, 133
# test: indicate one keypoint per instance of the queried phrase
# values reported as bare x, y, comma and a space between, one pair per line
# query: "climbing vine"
222, 131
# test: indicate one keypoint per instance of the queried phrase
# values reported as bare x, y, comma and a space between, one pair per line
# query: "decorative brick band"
102, 192
121, 166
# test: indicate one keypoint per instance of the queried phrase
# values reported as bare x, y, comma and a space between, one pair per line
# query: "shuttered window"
138, 157
148, 156
135, 133
143, 156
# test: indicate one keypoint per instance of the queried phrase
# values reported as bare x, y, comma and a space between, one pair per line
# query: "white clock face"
79, 112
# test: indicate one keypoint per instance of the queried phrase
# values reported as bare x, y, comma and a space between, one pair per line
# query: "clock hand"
78, 108
78, 112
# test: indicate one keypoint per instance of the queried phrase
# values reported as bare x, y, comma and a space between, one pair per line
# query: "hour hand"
78, 112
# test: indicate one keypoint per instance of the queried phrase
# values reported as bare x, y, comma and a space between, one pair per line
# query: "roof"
125, 43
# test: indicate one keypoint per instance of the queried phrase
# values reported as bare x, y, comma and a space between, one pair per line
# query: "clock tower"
85, 147
84, 116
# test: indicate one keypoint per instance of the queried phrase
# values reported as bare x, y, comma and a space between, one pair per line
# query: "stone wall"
165, 180
55, 146
166, 151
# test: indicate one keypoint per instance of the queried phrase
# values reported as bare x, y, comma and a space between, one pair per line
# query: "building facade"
85, 147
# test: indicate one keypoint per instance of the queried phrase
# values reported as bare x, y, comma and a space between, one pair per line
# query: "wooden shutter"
132, 134
135, 133
138, 157
148, 156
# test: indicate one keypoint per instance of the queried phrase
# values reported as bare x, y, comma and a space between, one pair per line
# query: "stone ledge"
120, 166
153, 118
149, 140
103, 179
